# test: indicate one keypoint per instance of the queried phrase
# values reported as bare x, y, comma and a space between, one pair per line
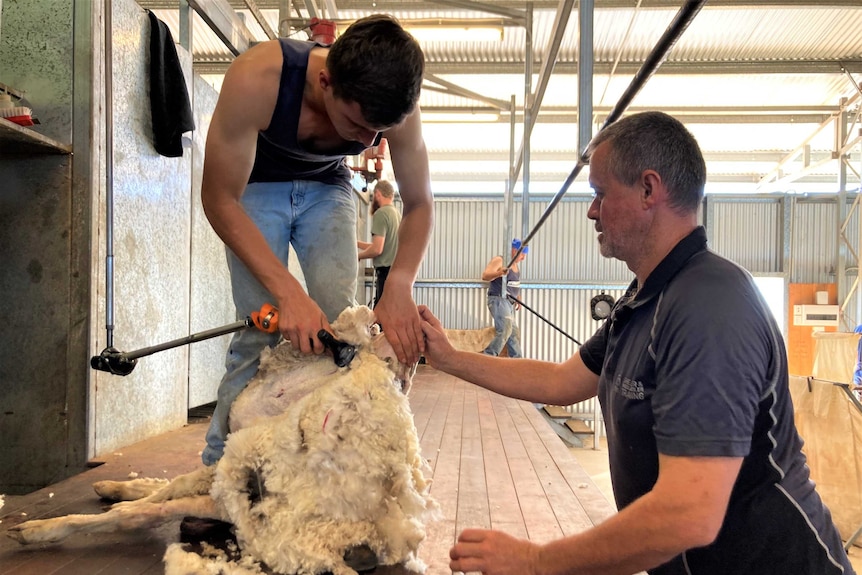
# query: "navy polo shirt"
693, 364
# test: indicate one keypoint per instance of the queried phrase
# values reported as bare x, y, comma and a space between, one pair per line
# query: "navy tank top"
513, 284
280, 157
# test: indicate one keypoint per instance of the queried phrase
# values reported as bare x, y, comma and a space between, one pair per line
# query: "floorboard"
495, 462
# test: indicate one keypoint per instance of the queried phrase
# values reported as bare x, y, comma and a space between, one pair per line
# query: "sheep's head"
403, 373
357, 326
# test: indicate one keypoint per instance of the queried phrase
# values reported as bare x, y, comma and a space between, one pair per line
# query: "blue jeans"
507, 331
319, 221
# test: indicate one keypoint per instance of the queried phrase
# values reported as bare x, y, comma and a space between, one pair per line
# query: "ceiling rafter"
388, 5
729, 67
800, 50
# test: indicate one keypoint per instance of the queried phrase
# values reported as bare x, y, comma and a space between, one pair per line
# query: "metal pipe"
541, 317
549, 62
193, 338
679, 24
123, 363
109, 176
510, 195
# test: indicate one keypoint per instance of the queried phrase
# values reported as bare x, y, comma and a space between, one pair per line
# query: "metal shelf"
18, 140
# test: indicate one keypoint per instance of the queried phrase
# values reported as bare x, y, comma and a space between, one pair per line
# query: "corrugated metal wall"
814, 242
748, 231
779, 235
564, 269
468, 232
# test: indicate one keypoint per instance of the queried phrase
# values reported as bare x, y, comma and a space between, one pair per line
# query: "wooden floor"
495, 461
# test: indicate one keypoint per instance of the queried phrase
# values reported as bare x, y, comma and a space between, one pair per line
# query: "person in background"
507, 332
857, 372
691, 373
385, 221
274, 177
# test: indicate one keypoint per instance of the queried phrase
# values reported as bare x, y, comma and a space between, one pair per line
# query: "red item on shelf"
21, 120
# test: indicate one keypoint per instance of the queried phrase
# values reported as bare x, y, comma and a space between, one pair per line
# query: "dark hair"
378, 65
656, 141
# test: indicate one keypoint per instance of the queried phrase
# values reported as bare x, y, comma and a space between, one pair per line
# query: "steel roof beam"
401, 5
564, 9
447, 87
501, 155
677, 67
689, 115
252, 7
203, 66
826, 179
225, 23
513, 13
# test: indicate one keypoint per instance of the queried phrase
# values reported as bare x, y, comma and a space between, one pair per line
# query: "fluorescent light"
459, 118
455, 30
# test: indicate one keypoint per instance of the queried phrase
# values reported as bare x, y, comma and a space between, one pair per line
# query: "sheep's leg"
128, 490
197, 482
125, 516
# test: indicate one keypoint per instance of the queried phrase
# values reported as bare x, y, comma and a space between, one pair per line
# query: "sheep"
320, 460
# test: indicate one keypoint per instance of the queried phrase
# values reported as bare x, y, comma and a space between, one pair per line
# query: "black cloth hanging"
169, 97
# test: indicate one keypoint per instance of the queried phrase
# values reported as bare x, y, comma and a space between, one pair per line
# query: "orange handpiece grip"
266, 319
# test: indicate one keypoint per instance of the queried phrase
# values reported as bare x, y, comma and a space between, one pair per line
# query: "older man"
691, 373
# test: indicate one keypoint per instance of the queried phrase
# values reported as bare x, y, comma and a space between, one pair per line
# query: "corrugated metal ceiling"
753, 80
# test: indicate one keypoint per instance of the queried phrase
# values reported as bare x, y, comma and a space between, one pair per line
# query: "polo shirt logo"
628, 388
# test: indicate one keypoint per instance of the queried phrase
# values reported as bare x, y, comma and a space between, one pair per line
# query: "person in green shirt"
385, 221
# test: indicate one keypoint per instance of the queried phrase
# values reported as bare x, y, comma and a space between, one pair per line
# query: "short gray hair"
656, 141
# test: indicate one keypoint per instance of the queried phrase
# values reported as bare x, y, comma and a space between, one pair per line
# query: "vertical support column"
585, 76
528, 119
186, 26
585, 121
80, 397
788, 206
841, 209
284, 18
707, 213
857, 320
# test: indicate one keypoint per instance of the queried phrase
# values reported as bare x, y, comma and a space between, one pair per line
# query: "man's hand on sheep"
401, 324
299, 320
437, 346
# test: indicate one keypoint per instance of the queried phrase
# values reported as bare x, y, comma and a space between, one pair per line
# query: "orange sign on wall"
800, 344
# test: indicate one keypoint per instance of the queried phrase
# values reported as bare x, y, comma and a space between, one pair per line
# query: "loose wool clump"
320, 459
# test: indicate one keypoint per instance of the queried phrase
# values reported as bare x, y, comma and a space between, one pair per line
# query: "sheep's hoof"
360, 558
16, 534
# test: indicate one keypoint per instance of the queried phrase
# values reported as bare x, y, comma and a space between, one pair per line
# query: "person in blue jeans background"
502, 309
275, 176
857, 373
